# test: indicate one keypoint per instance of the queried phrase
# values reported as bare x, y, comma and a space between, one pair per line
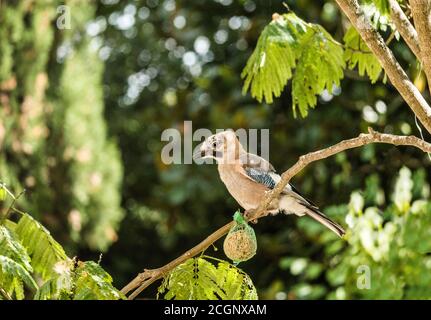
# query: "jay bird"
249, 177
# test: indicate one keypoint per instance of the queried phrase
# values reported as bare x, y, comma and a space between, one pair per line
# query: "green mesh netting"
240, 243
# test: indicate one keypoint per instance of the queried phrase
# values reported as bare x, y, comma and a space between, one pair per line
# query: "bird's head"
224, 147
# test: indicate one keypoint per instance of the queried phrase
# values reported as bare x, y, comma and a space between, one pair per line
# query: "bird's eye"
214, 144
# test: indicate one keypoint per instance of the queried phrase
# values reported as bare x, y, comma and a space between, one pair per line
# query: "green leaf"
45, 252
270, 66
12, 248
358, 54
94, 283
50, 290
60, 286
12, 277
199, 279
319, 67
87, 282
288, 42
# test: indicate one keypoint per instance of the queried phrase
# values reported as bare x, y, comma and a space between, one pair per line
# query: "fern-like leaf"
319, 67
88, 281
199, 279
12, 248
45, 252
12, 277
94, 283
358, 54
270, 66
289, 42
58, 287
235, 283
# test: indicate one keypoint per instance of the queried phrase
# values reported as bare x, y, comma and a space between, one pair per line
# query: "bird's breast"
246, 192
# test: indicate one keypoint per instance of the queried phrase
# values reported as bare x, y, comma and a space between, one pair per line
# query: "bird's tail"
323, 219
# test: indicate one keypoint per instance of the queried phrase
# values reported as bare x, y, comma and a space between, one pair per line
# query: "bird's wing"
262, 177
300, 196
261, 171
249, 160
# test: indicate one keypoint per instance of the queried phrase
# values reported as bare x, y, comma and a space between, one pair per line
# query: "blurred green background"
82, 110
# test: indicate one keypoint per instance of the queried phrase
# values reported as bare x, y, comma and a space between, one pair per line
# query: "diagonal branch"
143, 280
421, 12
405, 28
395, 72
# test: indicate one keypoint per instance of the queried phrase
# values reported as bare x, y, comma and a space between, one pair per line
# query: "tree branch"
388, 61
405, 28
143, 280
421, 12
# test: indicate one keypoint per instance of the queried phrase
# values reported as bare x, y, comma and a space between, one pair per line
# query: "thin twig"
3, 186
146, 278
390, 38
11, 206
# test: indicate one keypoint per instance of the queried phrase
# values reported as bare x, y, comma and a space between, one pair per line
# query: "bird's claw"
249, 213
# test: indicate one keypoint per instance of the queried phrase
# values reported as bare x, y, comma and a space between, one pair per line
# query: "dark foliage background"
127, 70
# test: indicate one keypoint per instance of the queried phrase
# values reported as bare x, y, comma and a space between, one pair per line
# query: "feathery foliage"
199, 279
320, 67
270, 66
27, 247
94, 283
15, 267
358, 54
12, 277
12, 248
60, 286
45, 252
289, 42
79, 281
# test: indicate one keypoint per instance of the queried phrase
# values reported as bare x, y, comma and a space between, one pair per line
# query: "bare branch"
404, 27
421, 11
395, 72
143, 280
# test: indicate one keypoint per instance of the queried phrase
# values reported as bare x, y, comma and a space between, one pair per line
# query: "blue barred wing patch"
261, 177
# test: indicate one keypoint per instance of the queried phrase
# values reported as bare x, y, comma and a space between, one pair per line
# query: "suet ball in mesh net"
240, 243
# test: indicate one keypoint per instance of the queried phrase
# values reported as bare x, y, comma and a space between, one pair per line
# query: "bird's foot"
248, 214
